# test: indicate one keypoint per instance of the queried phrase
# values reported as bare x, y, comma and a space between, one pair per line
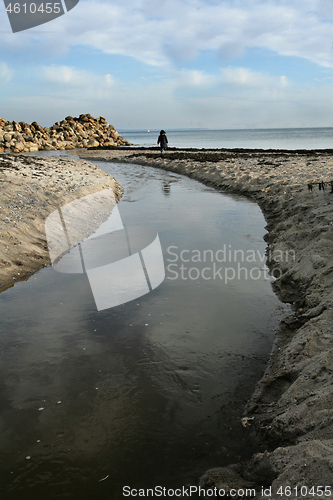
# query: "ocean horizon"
270, 138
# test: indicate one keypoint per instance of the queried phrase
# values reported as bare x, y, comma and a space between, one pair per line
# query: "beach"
32, 188
291, 410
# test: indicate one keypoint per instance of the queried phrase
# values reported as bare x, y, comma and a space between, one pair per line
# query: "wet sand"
291, 411
31, 188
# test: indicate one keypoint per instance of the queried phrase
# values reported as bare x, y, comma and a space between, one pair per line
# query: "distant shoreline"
240, 151
183, 129
269, 138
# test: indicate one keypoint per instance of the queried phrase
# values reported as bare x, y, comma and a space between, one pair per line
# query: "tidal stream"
150, 392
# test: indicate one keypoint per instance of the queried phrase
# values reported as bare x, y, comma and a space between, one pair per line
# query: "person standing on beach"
162, 141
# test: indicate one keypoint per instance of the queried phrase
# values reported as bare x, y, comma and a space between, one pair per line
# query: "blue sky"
147, 64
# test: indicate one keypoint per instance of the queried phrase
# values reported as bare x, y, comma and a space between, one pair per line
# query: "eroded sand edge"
30, 189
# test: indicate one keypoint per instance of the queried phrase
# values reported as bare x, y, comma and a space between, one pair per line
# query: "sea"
277, 138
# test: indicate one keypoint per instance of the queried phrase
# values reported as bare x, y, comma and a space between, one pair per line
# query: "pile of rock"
71, 133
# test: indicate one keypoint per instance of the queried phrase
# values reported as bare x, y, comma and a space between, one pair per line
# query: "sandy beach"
291, 411
32, 188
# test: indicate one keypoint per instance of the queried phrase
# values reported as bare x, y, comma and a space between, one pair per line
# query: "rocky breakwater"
70, 133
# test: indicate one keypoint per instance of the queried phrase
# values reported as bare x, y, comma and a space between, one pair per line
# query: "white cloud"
244, 77
192, 78
170, 104
176, 30
231, 49
168, 36
232, 81
6, 73
71, 77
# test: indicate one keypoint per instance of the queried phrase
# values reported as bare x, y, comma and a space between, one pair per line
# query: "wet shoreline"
292, 405
189, 372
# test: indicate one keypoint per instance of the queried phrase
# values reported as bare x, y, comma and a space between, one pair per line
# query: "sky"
149, 64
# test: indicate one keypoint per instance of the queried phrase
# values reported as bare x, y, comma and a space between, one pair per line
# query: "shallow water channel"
150, 392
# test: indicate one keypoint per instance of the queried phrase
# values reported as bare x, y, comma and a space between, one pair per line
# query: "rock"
70, 133
17, 127
37, 127
8, 136
19, 146
93, 143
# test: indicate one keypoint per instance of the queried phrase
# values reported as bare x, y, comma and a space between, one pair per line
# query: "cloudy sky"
183, 63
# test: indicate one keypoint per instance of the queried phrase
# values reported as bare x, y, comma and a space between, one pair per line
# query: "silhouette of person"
162, 141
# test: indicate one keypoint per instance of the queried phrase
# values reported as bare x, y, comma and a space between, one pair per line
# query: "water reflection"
166, 188
148, 392
121, 263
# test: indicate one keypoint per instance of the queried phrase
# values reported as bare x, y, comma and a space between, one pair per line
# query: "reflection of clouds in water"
166, 188
110, 379
71, 223
41, 320
140, 377
167, 182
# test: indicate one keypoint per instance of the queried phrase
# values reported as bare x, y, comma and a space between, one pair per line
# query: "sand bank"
293, 403
30, 189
